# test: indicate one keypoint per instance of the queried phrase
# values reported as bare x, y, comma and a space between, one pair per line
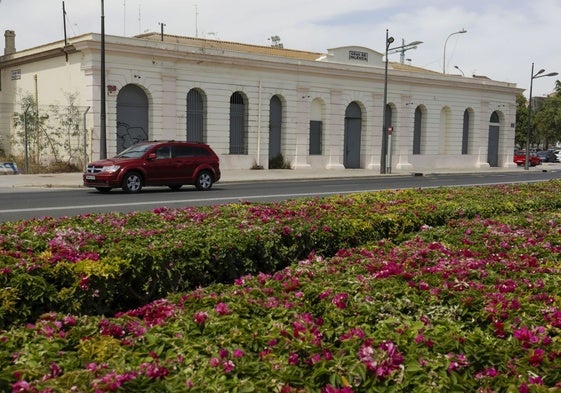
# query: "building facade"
253, 104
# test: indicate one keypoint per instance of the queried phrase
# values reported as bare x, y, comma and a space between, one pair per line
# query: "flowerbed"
471, 305
102, 264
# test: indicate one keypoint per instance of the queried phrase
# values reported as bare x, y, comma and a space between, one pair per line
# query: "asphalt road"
20, 204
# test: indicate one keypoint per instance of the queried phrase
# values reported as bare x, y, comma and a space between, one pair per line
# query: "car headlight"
110, 168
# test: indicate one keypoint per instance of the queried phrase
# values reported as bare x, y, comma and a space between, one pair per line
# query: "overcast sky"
503, 37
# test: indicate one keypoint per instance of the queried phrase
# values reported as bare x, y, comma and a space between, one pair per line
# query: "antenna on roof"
196, 21
161, 30
276, 42
64, 23
125, 18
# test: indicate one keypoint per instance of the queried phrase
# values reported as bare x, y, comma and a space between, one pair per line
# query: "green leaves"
396, 291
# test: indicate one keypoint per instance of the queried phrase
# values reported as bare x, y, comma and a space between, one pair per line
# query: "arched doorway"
196, 117
238, 124
418, 130
353, 129
275, 128
493, 144
132, 117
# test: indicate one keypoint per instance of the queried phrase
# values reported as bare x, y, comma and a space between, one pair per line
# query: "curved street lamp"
404, 48
459, 69
539, 74
384, 154
385, 164
445, 43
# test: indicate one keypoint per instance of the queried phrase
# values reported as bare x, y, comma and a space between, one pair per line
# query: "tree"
50, 134
67, 127
547, 120
521, 121
29, 124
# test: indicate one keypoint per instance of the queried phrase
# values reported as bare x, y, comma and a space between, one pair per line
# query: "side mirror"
151, 156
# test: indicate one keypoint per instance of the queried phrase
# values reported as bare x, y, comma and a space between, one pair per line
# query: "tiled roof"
410, 68
232, 46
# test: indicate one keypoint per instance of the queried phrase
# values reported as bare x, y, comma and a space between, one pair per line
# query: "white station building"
253, 103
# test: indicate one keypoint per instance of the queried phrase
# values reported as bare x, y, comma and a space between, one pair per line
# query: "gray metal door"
275, 127
417, 129
238, 137
132, 117
493, 145
353, 124
195, 117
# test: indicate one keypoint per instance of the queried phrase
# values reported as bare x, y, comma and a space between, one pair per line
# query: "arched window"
466, 132
196, 117
132, 117
417, 131
275, 128
493, 141
238, 124
316, 128
353, 131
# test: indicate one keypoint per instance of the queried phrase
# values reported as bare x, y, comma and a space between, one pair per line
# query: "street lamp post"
384, 167
389, 40
539, 74
102, 116
445, 43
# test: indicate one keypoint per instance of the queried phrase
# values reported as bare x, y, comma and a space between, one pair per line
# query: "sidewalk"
74, 180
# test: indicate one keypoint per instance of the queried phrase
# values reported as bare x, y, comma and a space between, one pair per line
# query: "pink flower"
21, 387
228, 366
457, 362
238, 353
293, 359
222, 309
536, 357
382, 361
214, 362
340, 300
200, 317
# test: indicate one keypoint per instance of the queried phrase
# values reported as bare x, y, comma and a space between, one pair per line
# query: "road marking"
241, 199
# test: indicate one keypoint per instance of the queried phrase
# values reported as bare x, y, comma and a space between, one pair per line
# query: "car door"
160, 169
186, 161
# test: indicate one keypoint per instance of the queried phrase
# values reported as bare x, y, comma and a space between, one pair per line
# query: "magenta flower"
21, 387
200, 317
293, 359
536, 358
457, 362
228, 366
340, 300
222, 309
382, 361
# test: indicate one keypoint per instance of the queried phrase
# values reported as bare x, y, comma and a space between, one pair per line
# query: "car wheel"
175, 187
103, 190
204, 181
132, 182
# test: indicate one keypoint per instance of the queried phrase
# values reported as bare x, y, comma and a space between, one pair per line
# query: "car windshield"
134, 151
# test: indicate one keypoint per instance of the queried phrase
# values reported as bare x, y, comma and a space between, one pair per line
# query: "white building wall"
166, 73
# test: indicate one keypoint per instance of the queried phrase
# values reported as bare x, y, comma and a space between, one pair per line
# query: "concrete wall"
308, 90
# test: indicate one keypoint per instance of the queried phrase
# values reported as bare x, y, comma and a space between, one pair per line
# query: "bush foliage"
451, 289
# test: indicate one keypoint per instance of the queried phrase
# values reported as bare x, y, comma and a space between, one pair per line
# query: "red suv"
168, 163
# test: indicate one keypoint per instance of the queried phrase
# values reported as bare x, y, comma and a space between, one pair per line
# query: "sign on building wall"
16, 74
357, 55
